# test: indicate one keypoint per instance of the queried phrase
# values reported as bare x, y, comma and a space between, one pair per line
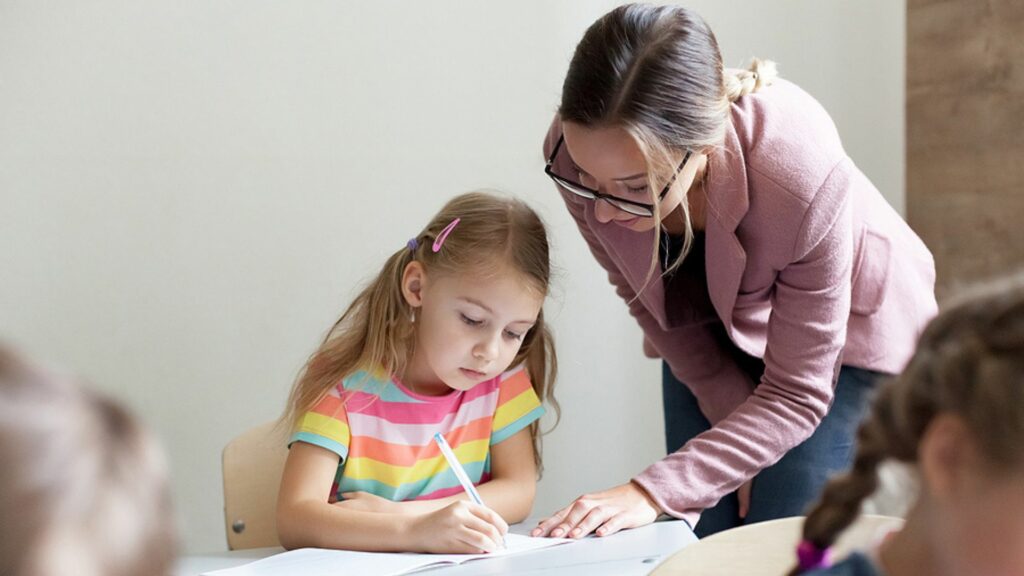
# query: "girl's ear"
413, 279
943, 455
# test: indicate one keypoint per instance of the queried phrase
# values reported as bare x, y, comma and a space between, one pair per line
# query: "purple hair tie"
810, 556
412, 244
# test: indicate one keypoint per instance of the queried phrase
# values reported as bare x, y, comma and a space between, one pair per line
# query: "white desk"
633, 552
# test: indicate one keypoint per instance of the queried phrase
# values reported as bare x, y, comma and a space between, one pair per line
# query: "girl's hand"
462, 527
619, 508
367, 502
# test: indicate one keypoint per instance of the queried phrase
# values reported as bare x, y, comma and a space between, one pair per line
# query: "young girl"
83, 487
448, 338
957, 414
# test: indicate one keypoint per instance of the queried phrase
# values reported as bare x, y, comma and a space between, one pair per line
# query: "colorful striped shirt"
384, 432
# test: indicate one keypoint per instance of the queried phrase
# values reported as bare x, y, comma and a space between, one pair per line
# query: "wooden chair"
252, 464
766, 548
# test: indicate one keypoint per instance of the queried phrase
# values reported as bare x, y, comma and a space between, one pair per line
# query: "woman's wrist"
647, 497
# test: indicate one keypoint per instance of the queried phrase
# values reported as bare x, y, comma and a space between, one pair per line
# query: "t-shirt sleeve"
326, 426
518, 406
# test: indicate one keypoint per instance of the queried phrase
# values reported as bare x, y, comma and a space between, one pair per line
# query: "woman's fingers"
546, 525
597, 516
613, 525
577, 512
625, 506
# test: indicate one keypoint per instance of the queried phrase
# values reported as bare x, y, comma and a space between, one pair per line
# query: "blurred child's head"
957, 414
457, 305
83, 487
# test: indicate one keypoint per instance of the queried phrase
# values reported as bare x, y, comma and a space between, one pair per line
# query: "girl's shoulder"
512, 376
513, 383
364, 381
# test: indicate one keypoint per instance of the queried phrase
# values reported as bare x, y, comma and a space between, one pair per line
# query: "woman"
768, 273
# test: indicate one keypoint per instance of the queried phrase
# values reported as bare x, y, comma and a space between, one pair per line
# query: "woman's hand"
459, 528
619, 508
743, 495
367, 502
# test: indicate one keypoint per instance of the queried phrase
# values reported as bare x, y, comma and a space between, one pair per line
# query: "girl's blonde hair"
494, 234
75, 462
969, 363
656, 72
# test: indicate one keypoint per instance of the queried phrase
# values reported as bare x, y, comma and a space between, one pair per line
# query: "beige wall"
965, 134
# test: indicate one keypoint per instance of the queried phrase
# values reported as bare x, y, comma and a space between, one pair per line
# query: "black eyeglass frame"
629, 206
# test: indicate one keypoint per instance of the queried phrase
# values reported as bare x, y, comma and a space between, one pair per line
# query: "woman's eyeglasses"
635, 208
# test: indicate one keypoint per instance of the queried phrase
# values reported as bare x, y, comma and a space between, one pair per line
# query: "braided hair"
969, 363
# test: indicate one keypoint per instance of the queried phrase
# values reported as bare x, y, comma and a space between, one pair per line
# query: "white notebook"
321, 562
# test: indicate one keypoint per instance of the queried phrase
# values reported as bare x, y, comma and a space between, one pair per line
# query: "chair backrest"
766, 548
252, 464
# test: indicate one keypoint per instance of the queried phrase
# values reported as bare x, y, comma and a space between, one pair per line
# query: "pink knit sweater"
808, 267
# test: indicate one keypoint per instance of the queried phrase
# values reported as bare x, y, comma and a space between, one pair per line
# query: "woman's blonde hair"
656, 72
969, 363
74, 462
494, 234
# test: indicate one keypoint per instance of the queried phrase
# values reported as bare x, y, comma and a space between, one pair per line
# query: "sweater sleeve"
806, 332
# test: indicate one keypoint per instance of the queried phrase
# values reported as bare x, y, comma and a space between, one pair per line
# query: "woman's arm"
509, 492
306, 519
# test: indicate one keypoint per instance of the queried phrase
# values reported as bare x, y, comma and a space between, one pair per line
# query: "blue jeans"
791, 485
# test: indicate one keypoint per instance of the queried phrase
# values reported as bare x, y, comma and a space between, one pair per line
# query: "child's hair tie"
444, 234
810, 556
412, 244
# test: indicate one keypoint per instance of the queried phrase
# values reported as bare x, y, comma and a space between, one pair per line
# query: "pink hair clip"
444, 235
810, 556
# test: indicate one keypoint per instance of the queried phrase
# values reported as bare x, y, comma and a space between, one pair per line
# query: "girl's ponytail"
375, 331
969, 364
538, 352
884, 435
841, 500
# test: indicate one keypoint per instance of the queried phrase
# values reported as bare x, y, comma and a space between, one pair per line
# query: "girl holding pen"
449, 338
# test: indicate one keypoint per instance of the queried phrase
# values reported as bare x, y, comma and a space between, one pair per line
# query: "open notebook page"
321, 562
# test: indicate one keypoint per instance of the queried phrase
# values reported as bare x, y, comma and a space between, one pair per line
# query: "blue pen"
460, 473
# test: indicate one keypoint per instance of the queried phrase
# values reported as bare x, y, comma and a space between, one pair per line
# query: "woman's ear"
414, 278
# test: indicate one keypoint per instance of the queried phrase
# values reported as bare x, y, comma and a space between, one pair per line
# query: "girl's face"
976, 515
982, 531
993, 528
609, 161
468, 328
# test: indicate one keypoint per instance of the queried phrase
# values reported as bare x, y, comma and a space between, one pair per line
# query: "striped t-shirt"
384, 432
